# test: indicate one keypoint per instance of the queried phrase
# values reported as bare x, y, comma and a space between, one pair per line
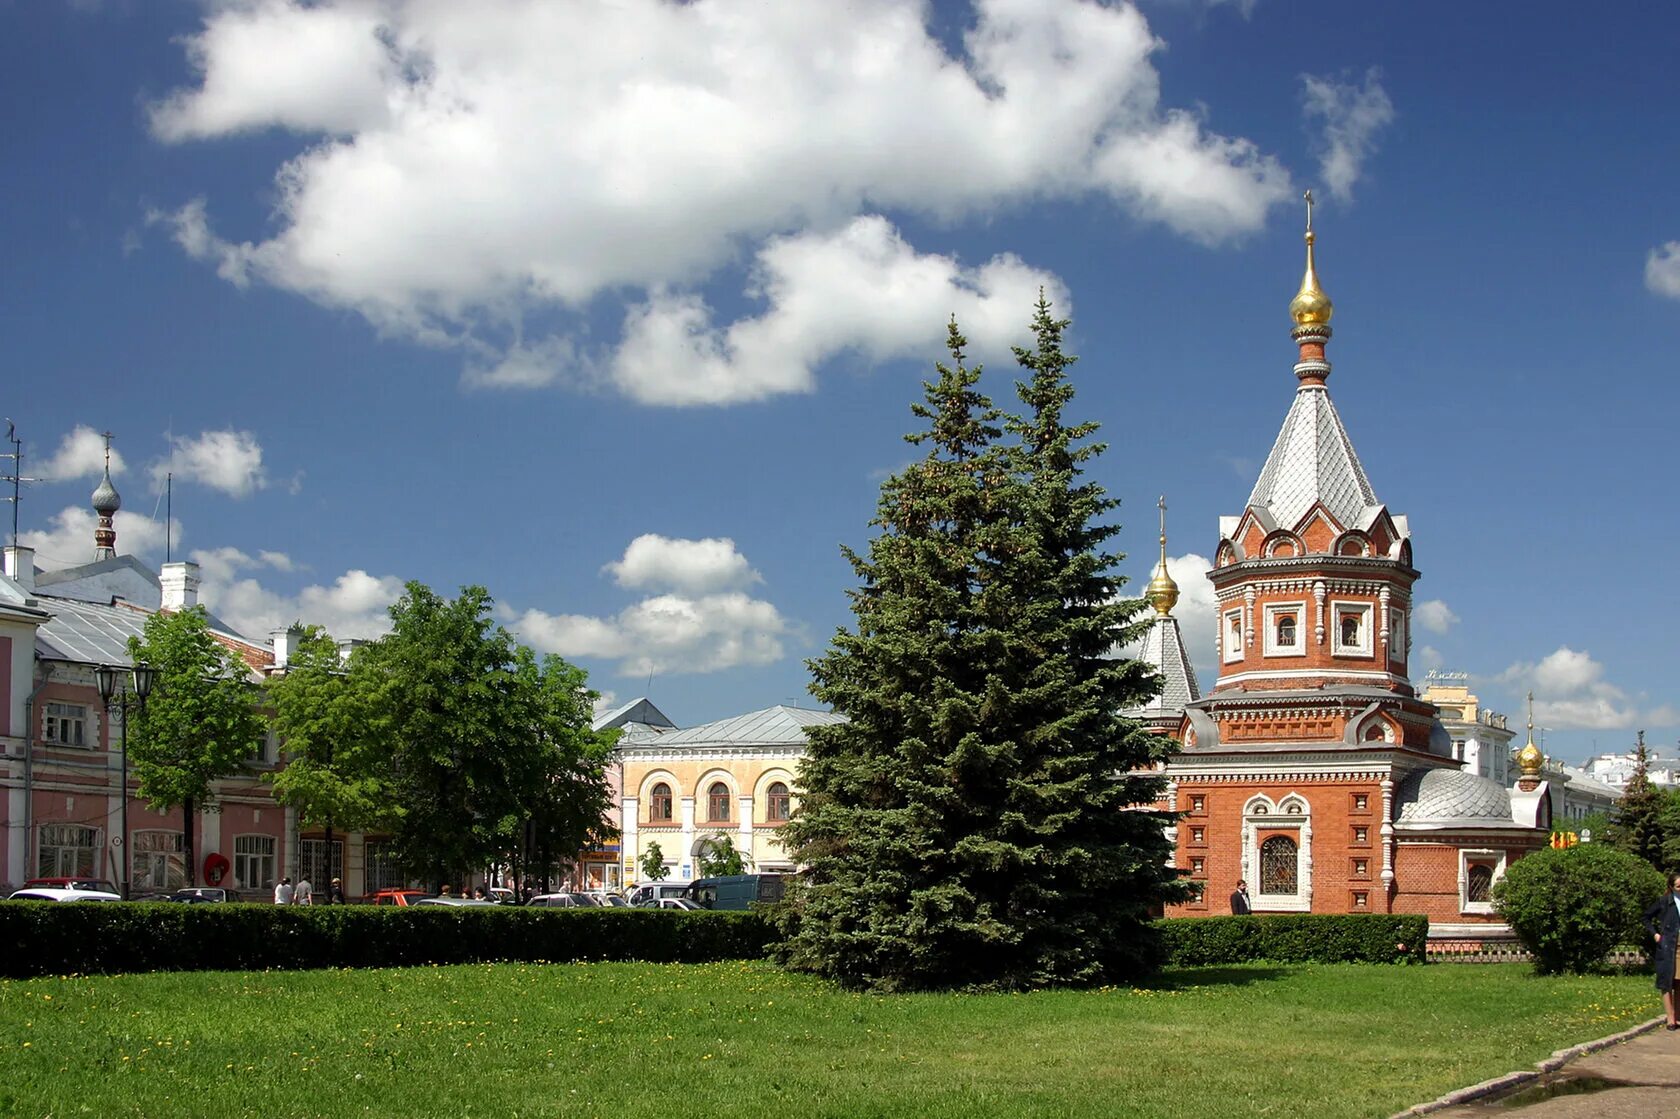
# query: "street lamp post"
110, 680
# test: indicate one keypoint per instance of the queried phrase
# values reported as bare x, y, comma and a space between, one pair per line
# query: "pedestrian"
283, 892
478, 893
335, 892
1239, 900
1662, 921
305, 894
446, 891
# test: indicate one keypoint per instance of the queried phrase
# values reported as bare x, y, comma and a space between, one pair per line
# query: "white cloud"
705, 623
1350, 117
1570, 692
861, 289
1435, 616
694, 566
469, 165
1429, 658
81, 455
69, 541
353, 606
1662, 270
230, 461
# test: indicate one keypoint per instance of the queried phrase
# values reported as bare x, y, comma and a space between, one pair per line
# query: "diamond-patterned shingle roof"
1313, 460
1453, 798
1163, 648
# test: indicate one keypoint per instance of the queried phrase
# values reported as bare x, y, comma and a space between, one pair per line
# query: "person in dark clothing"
1239, 900
335, 892
1662, 921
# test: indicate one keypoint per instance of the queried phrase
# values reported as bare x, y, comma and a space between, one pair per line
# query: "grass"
744, 1040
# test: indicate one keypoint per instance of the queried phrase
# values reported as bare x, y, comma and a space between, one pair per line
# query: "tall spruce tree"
1636, 821
977, 822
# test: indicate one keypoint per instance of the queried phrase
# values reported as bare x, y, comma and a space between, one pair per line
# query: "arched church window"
1350, 629
777, 802
1286, 630
659, 803
717, 798
1278, 866
1479, 886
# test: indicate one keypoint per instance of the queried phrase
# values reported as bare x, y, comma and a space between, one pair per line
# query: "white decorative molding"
1382, 614
1387, 831
1318, 602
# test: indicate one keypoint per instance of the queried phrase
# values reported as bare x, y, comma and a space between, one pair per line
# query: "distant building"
1616, 770
1480, 738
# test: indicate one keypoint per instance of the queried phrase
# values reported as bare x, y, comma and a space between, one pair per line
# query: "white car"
672, 903
49, 893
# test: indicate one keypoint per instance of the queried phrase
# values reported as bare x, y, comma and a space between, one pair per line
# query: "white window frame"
1290, 813
1338, 611
1466, 856
157, 859
75, 851
1399, 644
256, 861
1232, 643
1273, 610
65, 724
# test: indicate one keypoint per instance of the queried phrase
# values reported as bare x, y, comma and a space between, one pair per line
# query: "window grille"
1278, 866
1479, 887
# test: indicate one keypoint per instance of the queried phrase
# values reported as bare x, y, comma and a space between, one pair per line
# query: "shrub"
1372, 938
1571, 906
56, 938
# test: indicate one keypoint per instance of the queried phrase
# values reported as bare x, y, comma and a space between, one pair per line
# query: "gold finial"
1529, 757
1310, 307
1162, 592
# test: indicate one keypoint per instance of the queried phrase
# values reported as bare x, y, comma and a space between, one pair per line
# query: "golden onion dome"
1310, 307
1529, 758
1162, 592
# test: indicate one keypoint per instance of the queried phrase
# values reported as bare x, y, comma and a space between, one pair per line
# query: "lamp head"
144, 677
106, 677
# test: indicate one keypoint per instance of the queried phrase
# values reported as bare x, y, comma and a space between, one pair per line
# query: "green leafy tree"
1571, 906
653, 864
1636, 822
200, 723
718, 858
336, 768
978, 820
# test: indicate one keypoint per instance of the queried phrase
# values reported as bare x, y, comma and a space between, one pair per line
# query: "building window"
1477, 872
268, 749
67, 851
312, 862
659, 804
777, 802
1233, 635
253, 862
1283, 629
1398, 644
65, 724
1478, 884
1353, 629
1279, 866
383, 871
717, 802
158, 863
1286, 631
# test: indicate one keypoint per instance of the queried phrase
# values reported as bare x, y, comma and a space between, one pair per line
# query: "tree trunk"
187, 818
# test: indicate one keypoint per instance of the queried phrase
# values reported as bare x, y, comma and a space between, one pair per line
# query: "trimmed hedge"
56, 938
59, 938
1371, 938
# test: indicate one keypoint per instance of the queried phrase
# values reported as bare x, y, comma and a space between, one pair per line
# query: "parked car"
201, 894
648, 892
103, 885
672, 903
456, 903
614, 901
501, 895
570, 900
397, 897
737, 891
57, 893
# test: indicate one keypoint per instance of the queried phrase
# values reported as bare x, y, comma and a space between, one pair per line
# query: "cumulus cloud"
463, 167
230, 461
352, 606
1570, 692
81, 455
694, 566
70, 539
1347, 119
1662, 270
1435, 616
1429, 658
703, 623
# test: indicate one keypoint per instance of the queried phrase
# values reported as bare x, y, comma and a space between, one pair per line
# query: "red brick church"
1313, 770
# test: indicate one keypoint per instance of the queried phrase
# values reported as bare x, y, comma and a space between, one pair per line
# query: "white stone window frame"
1466, 856
1290, 813
1340, 608
1399, 636
1272, 612
1233, 637
68, 725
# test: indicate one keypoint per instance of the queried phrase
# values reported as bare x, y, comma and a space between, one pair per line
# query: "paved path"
1648, 1064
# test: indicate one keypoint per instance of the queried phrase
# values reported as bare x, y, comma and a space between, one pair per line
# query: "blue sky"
619, 312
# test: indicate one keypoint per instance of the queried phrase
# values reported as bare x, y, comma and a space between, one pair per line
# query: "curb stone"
1522, 1078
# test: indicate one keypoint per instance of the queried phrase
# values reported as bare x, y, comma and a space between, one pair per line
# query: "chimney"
180, 585
20, 566
285, 642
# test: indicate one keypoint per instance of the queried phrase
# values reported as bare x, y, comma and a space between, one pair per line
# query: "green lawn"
742, 1040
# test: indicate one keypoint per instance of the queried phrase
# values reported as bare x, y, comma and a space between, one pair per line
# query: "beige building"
684, 789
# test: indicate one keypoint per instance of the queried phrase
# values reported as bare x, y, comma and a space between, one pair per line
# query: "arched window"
1350, 629
1278, 866
1286, 630
717, 798
1479, 885
777, 802
659, 803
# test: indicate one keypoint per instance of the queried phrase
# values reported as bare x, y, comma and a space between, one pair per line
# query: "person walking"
335, 892
1239, 900
1662, 921
283, 892
305, 894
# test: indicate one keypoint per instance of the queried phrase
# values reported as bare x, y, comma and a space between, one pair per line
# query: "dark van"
737, 891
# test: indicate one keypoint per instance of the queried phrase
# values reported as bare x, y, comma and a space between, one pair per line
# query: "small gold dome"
1311, 307
1162, 592
1530, 759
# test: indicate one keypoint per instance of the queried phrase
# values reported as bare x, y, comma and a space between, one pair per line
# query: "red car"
397, 897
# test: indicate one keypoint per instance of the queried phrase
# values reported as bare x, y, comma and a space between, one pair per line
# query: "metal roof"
98, 633
773, 726
1163, 648
1313, 461
639, 713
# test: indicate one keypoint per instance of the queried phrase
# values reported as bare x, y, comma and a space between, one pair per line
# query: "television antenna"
16, 477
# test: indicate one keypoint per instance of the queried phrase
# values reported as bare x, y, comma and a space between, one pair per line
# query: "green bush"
55, 938
1571, 906
1372, 938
